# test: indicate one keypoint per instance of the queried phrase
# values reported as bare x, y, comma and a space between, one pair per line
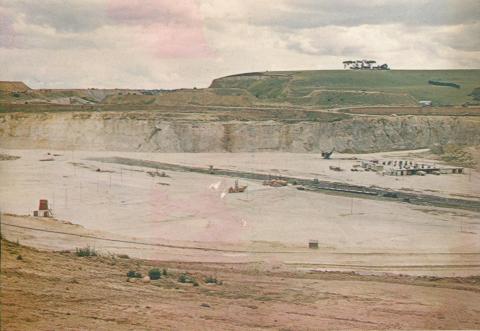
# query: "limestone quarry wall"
136, 131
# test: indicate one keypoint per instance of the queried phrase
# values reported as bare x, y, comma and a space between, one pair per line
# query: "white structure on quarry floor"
407, 168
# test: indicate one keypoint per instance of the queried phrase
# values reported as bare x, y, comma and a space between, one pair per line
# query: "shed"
313, 244
425, 103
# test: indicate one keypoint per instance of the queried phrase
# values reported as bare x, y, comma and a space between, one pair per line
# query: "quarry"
302, 191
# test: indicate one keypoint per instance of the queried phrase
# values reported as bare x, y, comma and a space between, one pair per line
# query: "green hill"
280, 89
340, 88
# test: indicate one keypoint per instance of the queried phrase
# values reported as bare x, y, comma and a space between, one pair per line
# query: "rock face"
148, 132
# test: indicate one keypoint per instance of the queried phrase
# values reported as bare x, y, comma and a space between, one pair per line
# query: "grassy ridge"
331, 88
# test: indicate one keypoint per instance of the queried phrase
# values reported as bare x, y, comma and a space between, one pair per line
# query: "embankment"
152, 132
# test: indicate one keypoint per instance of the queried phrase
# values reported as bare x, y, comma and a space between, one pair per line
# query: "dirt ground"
440, 111
380, 264
46, 290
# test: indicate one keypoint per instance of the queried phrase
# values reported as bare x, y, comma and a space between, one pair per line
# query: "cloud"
145, 12
300, 14
461, 37
185, 43
63, 16
7, 32
170, 28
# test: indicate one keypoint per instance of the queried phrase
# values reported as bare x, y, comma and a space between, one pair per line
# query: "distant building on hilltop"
364, 65
425, 103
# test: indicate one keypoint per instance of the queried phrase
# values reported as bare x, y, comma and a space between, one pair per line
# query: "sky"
166, 44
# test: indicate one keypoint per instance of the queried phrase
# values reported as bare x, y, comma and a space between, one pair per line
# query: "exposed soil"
417, 111
8, 157
58, 290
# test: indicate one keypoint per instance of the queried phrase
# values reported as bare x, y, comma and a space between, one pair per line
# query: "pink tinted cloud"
170, 28
7, 32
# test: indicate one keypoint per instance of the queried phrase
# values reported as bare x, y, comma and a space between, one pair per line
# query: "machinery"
327, 155
43, 210
237, 188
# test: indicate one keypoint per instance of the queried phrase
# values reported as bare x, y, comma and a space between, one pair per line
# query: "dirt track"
52, 290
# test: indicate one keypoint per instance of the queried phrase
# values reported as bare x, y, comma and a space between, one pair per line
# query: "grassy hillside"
291, 89
338, 88
196, 97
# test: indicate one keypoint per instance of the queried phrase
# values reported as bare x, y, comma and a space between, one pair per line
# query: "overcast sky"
187, 43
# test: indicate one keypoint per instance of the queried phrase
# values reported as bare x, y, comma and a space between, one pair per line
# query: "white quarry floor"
310, 166
126, 202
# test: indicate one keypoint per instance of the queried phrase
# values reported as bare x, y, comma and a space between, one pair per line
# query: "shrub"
134, 274
438, 83
164, 272
154, 274
19, 257
184, 278
87, 251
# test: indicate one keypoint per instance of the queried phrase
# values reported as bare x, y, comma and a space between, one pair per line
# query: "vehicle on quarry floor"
327, 155
335, 168
236, 188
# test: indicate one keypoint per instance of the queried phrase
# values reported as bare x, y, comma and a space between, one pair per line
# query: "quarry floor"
187, 217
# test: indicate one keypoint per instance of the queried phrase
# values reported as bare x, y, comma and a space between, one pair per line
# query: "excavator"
327, 155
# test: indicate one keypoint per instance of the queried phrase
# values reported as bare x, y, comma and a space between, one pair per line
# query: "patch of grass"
475, 94
123, 256
86, 251
213, 280
185, 278
330, 88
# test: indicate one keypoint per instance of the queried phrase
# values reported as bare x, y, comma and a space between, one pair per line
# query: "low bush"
439, 83
85, 252
154, 274
164, 272
134, 274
